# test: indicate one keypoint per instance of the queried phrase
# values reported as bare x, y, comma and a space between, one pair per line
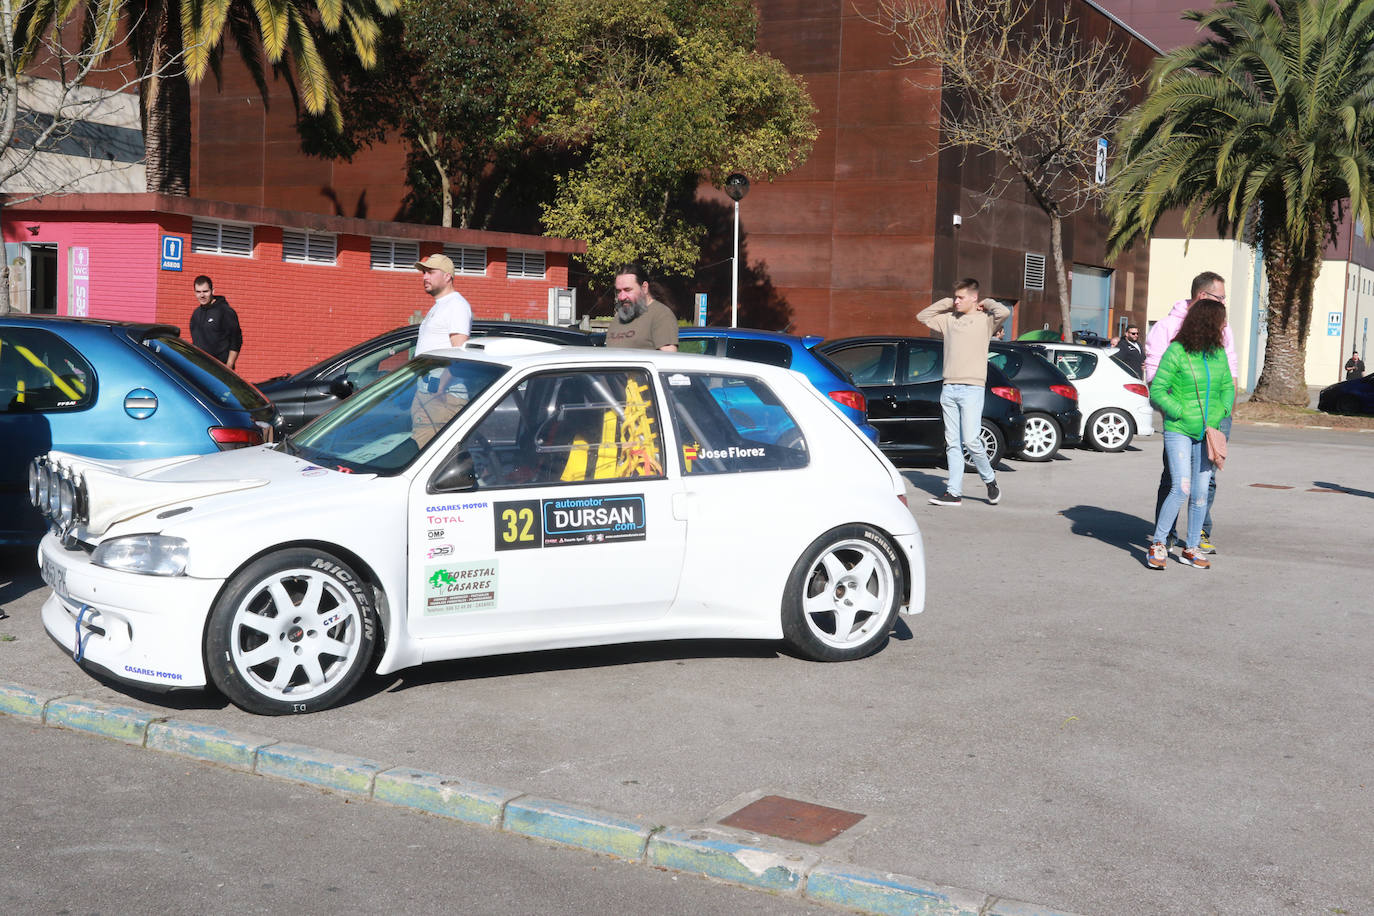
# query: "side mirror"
341, 387
455, 475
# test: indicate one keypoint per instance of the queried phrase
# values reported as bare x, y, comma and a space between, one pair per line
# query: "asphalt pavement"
95, 826
1063, 725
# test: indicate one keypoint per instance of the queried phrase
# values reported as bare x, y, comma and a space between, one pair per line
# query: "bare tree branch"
1031, 90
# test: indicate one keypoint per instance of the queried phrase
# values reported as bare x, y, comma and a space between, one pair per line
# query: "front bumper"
144, 630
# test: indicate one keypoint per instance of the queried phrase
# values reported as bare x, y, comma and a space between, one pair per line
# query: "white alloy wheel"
1042, 437
1109, 430
843, 594
291, 633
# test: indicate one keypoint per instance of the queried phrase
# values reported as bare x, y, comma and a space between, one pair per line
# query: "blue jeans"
962, 407
1190, 467
1166, 482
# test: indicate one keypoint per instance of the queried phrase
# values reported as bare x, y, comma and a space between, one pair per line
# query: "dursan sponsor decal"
567, 522
451, 588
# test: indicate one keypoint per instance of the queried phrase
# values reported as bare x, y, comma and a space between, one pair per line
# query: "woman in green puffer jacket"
1193, 390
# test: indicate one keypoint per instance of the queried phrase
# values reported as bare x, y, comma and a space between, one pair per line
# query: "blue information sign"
701, 310
171, 252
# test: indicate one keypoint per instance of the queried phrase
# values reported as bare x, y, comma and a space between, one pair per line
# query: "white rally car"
507, 497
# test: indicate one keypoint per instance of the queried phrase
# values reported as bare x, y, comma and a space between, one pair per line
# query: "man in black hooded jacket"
214, 325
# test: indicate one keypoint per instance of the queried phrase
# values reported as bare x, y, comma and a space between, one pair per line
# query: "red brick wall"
296, 314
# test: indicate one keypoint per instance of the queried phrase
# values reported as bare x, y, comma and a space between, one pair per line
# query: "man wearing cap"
449, 322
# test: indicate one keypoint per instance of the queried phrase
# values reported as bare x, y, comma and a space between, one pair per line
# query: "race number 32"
518, 525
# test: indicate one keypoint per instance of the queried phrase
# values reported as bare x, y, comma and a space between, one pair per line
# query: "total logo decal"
437, 515
455, 587
566, 522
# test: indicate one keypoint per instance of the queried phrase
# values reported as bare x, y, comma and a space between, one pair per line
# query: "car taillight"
1135, 388
851, 399
902, 497
1067, 391
1011, 394
227, 437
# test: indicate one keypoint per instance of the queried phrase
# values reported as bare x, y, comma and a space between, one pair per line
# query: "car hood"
118, 491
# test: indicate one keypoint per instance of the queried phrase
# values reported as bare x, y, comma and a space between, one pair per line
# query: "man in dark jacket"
1354, 366
1132, 351
214, 325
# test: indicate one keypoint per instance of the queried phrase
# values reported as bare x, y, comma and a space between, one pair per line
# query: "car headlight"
66, 501
40, 499
54, 485
147, 554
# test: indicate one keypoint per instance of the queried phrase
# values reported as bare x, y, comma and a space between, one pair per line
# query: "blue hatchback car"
110, 389
790, 352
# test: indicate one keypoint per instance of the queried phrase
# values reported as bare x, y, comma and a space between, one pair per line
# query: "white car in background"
506, 497
1115, 403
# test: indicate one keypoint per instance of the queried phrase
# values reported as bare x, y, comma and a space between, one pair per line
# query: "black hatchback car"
1354, 396
311, 392
1048, 399
902, 377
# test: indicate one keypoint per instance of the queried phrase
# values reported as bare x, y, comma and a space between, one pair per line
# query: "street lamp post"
736, 186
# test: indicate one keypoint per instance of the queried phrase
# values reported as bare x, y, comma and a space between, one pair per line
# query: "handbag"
1212, 437
1216, 447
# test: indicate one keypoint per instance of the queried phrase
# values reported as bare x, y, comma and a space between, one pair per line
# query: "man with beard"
640, 322
449, 322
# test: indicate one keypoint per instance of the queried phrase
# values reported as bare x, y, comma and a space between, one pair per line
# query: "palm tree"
175, 42
1269, 125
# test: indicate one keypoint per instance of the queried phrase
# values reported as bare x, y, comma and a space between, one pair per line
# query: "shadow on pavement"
18, 575
1350, 490
1116, 529
493, 666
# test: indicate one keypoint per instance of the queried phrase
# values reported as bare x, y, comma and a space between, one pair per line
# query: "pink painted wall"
123, 261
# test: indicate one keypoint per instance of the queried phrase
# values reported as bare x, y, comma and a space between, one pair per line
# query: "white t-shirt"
451, 314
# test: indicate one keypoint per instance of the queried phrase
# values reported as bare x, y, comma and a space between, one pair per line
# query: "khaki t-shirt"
657, 327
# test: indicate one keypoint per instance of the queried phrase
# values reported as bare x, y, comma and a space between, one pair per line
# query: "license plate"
55, 576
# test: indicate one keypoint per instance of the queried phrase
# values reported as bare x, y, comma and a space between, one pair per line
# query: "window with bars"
468, 259
394, 254
527, 265
1035, 271
304, 247
221, 238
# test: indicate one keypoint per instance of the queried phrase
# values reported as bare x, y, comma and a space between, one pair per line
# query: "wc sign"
171, 252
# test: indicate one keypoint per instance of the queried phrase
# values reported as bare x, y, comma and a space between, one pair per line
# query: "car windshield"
205, 374
382, 428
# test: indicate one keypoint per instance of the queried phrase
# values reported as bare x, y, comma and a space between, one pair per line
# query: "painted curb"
23, 702
206, 742
552, 820
456, 798
122, 723
298, 762
707, 852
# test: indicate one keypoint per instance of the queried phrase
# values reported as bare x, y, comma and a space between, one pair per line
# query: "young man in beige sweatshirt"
966, 325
